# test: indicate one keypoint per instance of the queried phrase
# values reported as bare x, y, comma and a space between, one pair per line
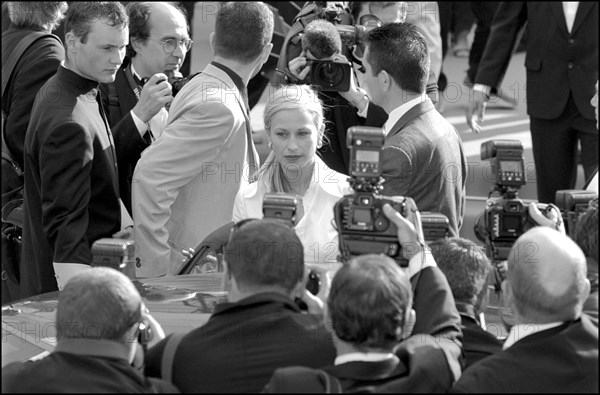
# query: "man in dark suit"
38, 63
562, 67
369, 309
467, 268
260, 328
553, 346
71, 194
423, 155
158, 42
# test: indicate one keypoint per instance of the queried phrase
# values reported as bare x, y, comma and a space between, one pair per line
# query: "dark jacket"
129, 144
242, 344
561, 359
477, 342
558, 63
71, 192
37, 64
426, 361
423, 158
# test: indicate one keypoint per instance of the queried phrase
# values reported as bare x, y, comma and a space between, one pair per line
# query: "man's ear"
137, 44
385, 79
72, 41
409, 323
266, 51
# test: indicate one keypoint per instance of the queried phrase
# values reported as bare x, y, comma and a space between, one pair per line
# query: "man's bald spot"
547, 257
161, 10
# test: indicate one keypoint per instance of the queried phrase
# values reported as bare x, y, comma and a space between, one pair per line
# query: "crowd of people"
109, 149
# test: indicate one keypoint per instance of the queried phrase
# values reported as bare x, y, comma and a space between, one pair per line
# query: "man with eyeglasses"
135, 102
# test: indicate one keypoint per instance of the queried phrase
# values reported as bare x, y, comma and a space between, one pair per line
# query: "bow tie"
140, 82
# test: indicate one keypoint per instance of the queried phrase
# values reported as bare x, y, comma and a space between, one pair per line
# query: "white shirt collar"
363, 357
397, 113
135, 74
521, 331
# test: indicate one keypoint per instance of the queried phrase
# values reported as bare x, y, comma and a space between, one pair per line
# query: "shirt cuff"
483, 89
141, 126
420, 261
363, 113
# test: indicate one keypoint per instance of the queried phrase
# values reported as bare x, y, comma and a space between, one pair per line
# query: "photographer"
158, 42
259, 328
379, 345
99, 317
553, 346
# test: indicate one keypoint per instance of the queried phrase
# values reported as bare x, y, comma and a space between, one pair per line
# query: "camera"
572, 203
506, 217
283, 206
177, 80
280, 206
435, 226
362, 226
118, 254
330, 76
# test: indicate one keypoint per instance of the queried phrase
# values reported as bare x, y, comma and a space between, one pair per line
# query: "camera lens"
330, 74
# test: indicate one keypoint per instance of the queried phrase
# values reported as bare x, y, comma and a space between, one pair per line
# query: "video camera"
572, 204
330, 76
506, 217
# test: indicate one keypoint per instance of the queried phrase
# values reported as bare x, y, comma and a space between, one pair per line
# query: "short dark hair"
586, 231
139, 28
368, 302
322, 39
465, 265
265, 254
81, 14
242, 29
36, 14
98, 303
400, 50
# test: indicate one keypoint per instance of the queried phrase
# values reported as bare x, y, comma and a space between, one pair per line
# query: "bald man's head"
547, 276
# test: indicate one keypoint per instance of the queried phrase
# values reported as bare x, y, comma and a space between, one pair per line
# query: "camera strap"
135, 87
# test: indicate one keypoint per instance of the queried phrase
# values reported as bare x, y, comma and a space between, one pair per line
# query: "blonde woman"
295, 125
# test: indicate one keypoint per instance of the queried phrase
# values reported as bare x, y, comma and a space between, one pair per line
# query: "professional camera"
362, 226
506, 217
280, 206
572, 203
329, 75
283, 206
118, 254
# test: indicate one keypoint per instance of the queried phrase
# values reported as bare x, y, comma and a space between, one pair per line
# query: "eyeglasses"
170, 44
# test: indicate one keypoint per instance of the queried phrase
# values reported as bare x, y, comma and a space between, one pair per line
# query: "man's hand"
410, 230
476, 111
156, 93
299, 67
551, 218
125, 234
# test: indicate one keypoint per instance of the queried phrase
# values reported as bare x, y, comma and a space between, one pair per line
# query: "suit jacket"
71, 195
428, 361
477, 342
423, 158
558, 63
188, 178
86, 371
37, 64
560, 359
129, 144
242, 344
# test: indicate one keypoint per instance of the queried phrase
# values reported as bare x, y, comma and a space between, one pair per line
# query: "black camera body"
506, 217
177, 80
282, 206
329, 75
362, 226
572, 203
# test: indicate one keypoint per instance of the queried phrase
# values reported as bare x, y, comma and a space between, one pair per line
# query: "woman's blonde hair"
289, 97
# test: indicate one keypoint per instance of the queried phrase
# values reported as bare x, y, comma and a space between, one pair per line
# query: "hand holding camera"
156, 94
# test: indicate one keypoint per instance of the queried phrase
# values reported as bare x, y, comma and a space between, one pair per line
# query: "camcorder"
334, 76
506, 217
283, 206
118, 254
572, 203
